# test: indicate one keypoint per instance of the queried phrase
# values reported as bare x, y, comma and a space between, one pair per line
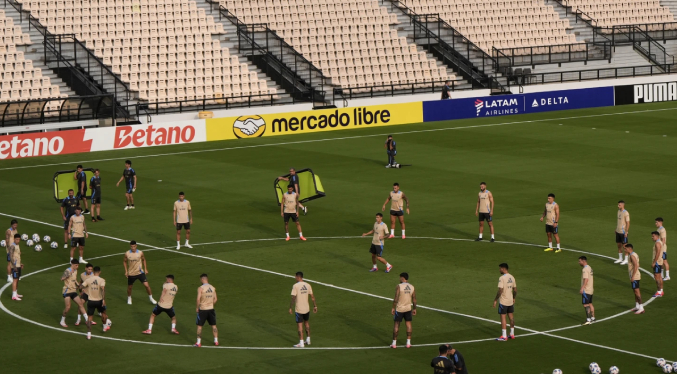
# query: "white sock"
89, 334
588, 319
394, 342
636, 305
626, 258
620, 256
150, 297
308, 340
388, 264
492, 236
409, 341
63, 319
505, 334
186, 241
78, 318
129, 298
480, 236
173, 325
287, 234
402, 232
549, 244
14, 293
301, 343
84, 315
375, 266
512, 331
178, 243
150, 326
216, 340
558, 246
641, 307
663, 273
667, 273
300, 234
593, 318
199, 340
392, 231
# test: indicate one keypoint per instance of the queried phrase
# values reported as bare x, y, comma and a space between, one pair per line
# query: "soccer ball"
24, 237
36, 238
557, 371
667, 368
596, 370
592, 366
54, 245
29, 243
46, 239
674, 367
613, 370
38, 248
660, 362
3, 243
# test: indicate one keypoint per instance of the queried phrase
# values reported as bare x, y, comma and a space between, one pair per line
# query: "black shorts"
634, 284
95, 306
484, 217
96, 197
396, 213
159, 310
130, 188
16, 273
186, 226
621, 238
402, 315
72, 295
502, 309
301, 317
77, 242
82, 194
206, 316
66, 222
294, 217
8, 259
377, 250
549, 229
665, 255
658, 269
84, 297
586, 299
133, 278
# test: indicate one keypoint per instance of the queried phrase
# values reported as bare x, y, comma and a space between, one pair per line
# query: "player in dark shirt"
442, 364
67, 208
95, 186
294, 183
446, 89
129, 176
391, 150
458, 360
81, 177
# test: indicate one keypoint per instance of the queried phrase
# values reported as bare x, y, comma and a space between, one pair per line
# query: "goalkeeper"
294, 183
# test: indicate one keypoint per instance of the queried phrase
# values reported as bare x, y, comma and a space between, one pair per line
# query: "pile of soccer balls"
667, 368
33, 242
595, 369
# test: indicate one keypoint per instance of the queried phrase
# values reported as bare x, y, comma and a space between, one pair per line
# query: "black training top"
442, 365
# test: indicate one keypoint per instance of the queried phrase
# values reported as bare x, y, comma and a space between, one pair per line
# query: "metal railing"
551, 54
216, 102
394, 89
76, 108
591, 74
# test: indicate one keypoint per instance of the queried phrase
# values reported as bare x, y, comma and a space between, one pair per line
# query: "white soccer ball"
596, 370
593, 365
613, 370
667, 368
46, 239
54, 245
557, 371
29, 243
674, 367
3, 243
38, 248
660, 362
36, 238
24, 237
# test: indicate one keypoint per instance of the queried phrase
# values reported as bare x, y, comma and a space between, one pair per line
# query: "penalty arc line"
531, 331
342, 138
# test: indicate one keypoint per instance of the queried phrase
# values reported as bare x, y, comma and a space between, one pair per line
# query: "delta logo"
479, 104
249, 127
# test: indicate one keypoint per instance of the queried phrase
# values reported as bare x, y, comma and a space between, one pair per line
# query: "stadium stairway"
581, 30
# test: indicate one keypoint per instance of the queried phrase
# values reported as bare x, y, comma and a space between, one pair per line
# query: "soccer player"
70, 292
458, 360
391, 149
294, 183
67, 208
206, 298
88, 273
96, 287
288, 210
14, 256
135, 264
77, 233
396, 196
9, 239
165, 305
380, 232
587, 289
551, 215
299, 303
622, 229
442, 364
664, 240
81, 177
404, 307
183, 217
657, 264
95, 186
635, 277
506, 297
485, 210
129, 176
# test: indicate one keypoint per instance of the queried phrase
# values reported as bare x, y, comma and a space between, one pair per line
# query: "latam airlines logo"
249, 127
479, 104
497, 107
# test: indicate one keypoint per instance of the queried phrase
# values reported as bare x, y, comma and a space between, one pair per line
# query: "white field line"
337, 138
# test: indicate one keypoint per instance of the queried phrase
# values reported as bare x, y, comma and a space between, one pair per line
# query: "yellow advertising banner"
253, 126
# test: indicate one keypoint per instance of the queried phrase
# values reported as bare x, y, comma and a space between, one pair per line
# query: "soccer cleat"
147, 332
640, 311
666, 278
298, 345
479, 239
129, 301
618, 261
16, 298
302, 238
127, 207
389, 268
305, 210
77, 323
388, 166
404, 237
188, 246
98, 218
86, 211
624, 262
89, 337
174, 331
152, 301
131, 207
502, 339
106, 328
93, 323
391, 236
493, 240
408, 345
65, 245
93, 219
287, 239
373, 270
20, 296
558, 250
9, 279
511, 337
586, 323
63, 324
198, 345
658, 294
216, 344
393, 346
178, 247
548, 249
82, 260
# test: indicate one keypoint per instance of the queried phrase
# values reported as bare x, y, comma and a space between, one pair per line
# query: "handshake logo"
249, 127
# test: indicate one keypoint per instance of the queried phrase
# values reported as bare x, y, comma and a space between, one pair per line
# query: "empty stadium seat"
608, 13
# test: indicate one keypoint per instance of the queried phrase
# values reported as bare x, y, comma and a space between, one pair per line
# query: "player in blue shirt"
129, 176
81, 177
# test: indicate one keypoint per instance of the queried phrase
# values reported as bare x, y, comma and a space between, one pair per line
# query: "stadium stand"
607, 13
352, 42
164, 49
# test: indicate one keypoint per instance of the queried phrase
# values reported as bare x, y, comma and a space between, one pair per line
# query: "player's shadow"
363, 327
345, 259
463, 234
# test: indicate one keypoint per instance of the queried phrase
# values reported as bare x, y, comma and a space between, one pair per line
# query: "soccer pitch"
589, 158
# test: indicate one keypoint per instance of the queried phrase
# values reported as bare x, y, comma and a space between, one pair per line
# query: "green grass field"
589, 158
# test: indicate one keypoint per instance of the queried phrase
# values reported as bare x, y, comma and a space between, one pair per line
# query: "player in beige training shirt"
587, 289
77, 231
657, 263
70, 292
380, 232
206, 298
165, 305
664, 240
96, 288
301, 308
89, 272
551, 215
635, 277
183, 218
404, 307
506, 295
9, 239
289, 210
135, 263
397, 199
485, 210
14, 258
622, 229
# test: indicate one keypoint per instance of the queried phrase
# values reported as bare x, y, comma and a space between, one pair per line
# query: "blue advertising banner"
491, 106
